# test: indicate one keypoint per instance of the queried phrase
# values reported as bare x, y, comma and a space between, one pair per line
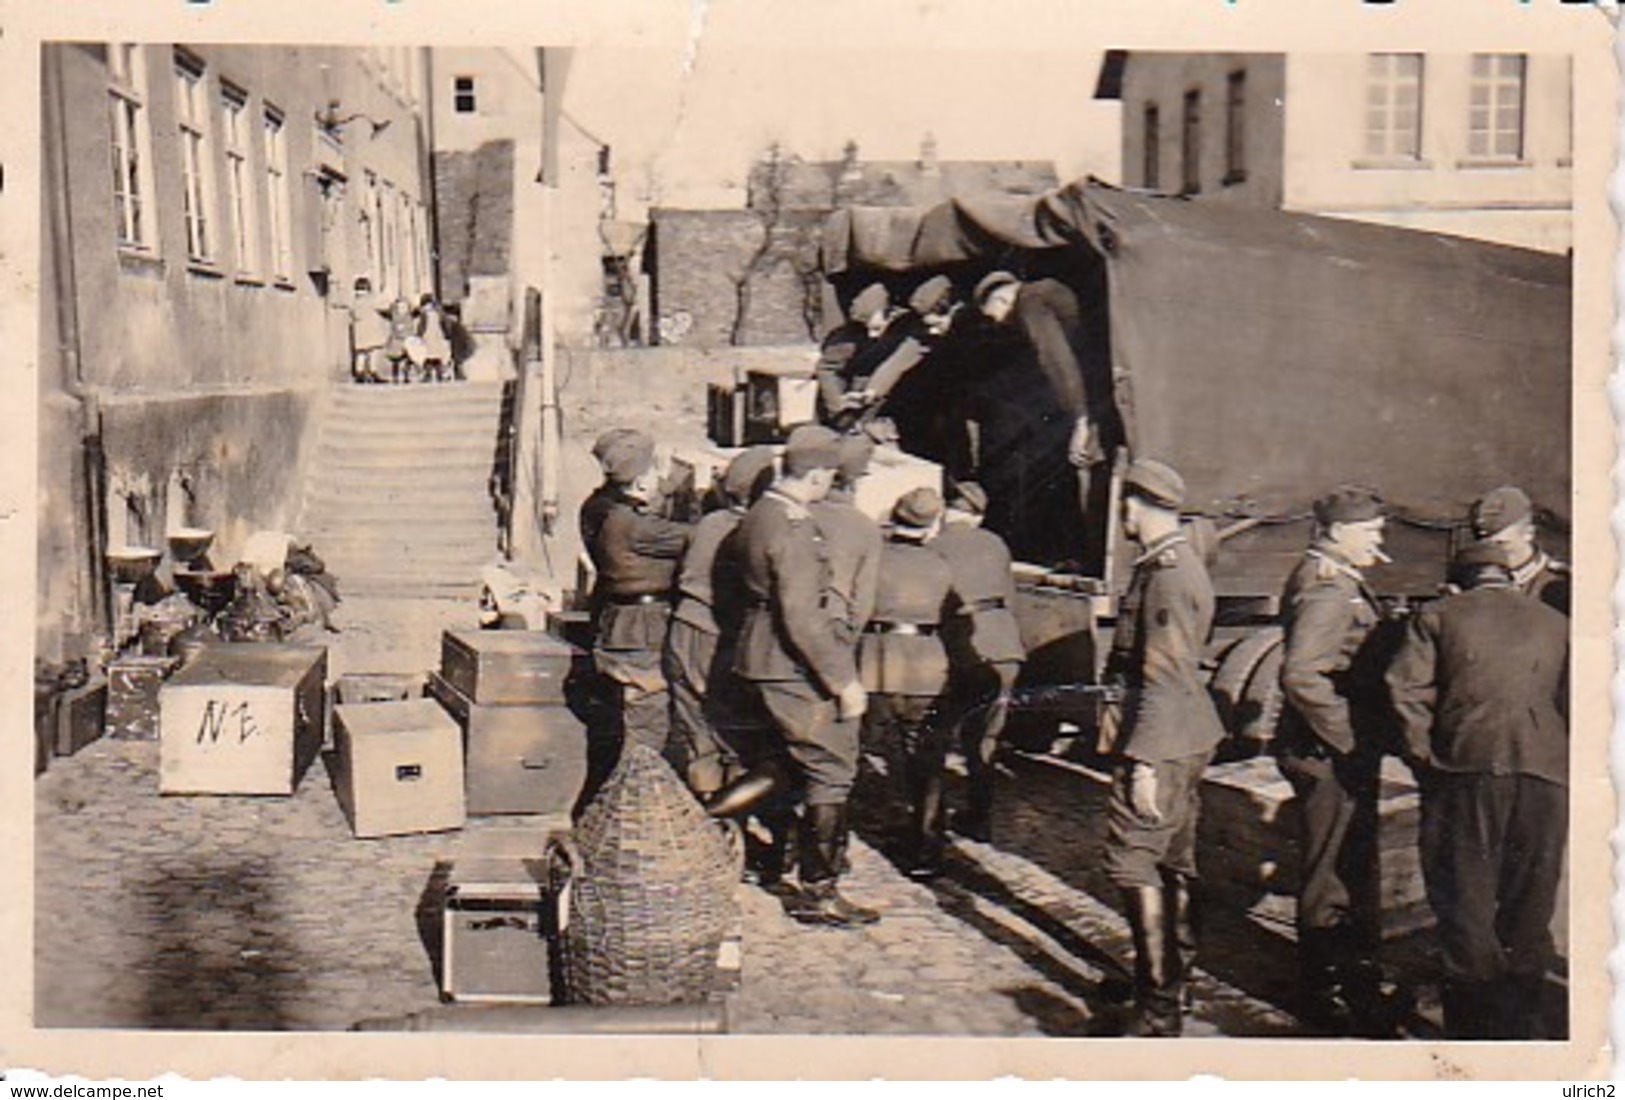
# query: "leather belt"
645, 597
923, 630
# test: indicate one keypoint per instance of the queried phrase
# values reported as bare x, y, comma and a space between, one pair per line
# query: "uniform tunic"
1330, 734
790, 646
1168, 719
1479, 684
1546, 579
637, 554
697, 658
852, 544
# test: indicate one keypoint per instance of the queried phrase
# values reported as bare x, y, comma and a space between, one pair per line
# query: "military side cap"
812, 447
628, 457
969, 497
601, 445
991, 282
932, 295
917, 509
1499, 509
856, 451
1348, 504
746, 472
1157, 481
870, 300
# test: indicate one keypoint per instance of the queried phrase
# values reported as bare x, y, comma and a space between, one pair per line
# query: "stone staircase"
397, 501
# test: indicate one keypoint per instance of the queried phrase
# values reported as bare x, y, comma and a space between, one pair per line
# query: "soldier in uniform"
905, 668
705, 627
636, 553
1480, 686
846, 358
1162, 735
1332, 736
1506, 517
984, 647
794, 652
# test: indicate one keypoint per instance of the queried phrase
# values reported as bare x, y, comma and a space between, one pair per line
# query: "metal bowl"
211, 589
188, 544
133, 564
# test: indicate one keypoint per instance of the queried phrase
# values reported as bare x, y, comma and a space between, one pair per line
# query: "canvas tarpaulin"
1271, 356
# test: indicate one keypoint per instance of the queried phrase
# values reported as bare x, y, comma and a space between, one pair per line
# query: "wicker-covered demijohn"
652, 894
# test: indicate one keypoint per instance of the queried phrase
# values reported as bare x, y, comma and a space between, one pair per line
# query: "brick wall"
474, 194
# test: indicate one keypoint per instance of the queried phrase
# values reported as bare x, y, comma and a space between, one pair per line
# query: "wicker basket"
651, 893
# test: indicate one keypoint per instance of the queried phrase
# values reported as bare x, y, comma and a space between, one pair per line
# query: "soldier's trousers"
688, 661
1337, 804
824, 751
1137, 853
1492, 856
645, 703
980, 702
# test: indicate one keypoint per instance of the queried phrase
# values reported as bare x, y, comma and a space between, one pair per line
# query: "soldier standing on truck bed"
852, 350
636, 553
1480, 686
984, 647
794, 652
1162, 733
1506, 517
1333, 732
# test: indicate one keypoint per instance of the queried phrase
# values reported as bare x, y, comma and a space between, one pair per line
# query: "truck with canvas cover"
1269, 357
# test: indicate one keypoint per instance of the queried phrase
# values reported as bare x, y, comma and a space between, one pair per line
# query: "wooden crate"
725, 414
496, 945
398, 768
80, 717
776, 400
891, 474
518, 758
504, 667
133, 684
1248, 842
244, 718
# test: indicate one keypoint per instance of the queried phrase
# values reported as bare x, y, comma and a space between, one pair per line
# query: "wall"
1526, 203
1163, 79
209, 368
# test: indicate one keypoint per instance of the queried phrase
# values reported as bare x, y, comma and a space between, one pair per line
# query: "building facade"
1471, 144
208, 210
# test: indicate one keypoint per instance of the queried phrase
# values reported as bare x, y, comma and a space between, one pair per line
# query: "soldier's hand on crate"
1142, 793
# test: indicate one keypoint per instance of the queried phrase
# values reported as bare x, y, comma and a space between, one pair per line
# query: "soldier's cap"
627, 457
1480, 562
748, 473
932, 295
601, 445
1499, 509
917, 509
869, 301
811, 447
1348, 504
856, 451
968, 497
992, 281
1156, 481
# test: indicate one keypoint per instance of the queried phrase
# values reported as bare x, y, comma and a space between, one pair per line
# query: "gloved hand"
1142, 793
851, 701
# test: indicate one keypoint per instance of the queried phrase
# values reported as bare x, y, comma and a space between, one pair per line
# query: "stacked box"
133, 683
776, 400
242, 718
397, 768
725, 414
496, 945
891, 474
502, 667
1248, 844
81, 716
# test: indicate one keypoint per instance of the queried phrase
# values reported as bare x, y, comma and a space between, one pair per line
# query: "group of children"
410, 344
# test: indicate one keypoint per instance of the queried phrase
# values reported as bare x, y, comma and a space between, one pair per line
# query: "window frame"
464, 96
1151, 154
135, 227
1235, 127
274, 151
1190, 143
1389, 82
1484, 143
240, 178
192, 102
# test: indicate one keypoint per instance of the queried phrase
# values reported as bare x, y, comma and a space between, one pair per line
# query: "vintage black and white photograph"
771, 531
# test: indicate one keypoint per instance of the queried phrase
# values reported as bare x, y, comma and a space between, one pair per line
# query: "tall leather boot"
1180, 905
1157, 1010
1322, 1002
1470, 1009
822, 828
776, 859
737, 798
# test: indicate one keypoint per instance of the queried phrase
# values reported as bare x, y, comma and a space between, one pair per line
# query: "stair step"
328, 461
432, 445
347, 422
386, 586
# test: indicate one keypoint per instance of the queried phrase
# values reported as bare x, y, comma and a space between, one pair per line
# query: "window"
275, 152
1151, 170
240, 179
369, 229
1235, 131
462, 88
192, 113
1393, 106
1495, 106
131, 147
1191, 142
